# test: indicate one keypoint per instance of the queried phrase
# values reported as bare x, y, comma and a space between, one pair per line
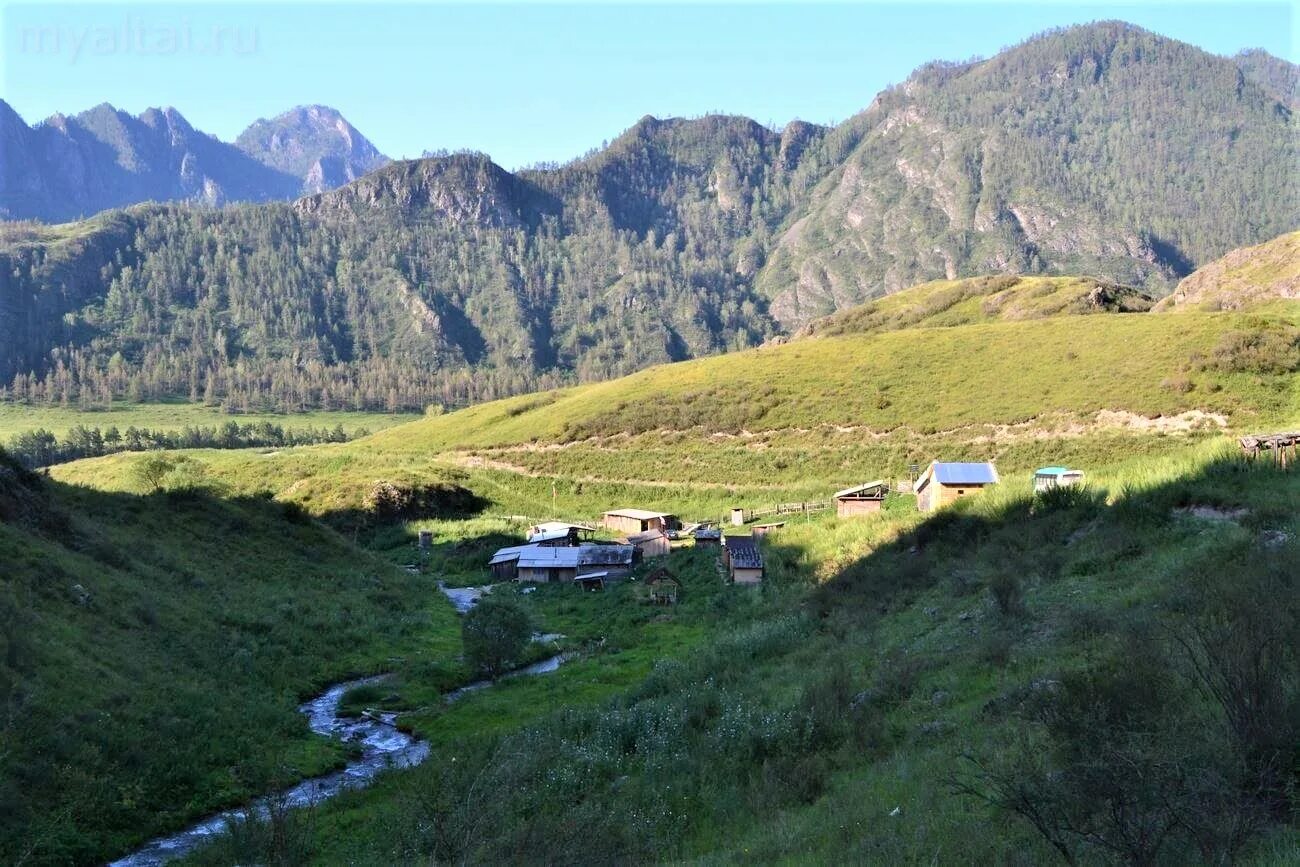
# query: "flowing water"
382, 747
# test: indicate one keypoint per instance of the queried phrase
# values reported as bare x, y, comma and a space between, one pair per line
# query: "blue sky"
529, 82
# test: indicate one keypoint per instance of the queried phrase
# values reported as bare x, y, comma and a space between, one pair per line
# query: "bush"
1008, 593
495, 633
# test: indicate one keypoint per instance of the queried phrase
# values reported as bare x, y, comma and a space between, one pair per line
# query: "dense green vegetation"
899, 690
154, 647
450, 280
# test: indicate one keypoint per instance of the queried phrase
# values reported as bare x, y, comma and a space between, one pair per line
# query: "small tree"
495, 633
150, 470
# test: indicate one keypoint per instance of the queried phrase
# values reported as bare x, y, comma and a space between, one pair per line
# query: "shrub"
495, 633
1008, 593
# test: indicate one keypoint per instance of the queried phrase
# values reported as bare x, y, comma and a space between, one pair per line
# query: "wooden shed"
743, 559
651, 543
764, 529
1046, 478
944, 483
865, 499
638, 521
663, 586
544, 563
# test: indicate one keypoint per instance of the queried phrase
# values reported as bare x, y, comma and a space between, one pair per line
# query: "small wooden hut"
743, 559
638, 521
864, 499
651, 543
944, 483
664, 587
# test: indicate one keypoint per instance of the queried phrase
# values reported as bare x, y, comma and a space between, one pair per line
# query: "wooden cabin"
764, 529
638, 521
1046, 478
651, 543
865, 499
544, 563
743, 559
944, 483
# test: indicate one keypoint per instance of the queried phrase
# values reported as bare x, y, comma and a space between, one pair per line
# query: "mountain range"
67, 167
1101, 150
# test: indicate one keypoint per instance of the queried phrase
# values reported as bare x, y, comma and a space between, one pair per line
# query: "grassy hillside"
887, 695
872, 699
813, 415
154, 648
1266, 275
983, 299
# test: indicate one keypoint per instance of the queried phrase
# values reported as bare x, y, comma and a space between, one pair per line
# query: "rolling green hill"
875, 699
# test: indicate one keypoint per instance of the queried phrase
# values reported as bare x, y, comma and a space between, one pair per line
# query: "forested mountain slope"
1103, 150
452, 280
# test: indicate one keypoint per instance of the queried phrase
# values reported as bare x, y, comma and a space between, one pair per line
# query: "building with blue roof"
943, 483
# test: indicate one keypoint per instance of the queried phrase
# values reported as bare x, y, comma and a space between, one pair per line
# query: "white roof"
554, 526
638, 514
537, 557
857, 489
548, 536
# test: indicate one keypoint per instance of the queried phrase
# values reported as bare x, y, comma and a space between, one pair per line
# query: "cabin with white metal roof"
545, 563
943, 483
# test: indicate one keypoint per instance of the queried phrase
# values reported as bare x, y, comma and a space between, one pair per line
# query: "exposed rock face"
465, 189
1013, 165
315, 143
68, 167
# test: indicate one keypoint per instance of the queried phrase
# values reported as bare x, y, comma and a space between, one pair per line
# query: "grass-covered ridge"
983, 299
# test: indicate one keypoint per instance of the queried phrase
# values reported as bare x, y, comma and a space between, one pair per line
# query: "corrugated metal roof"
858, 489
537, 557
965, 473
1056, 471
552, 526
743, 552
648, 535
638, 514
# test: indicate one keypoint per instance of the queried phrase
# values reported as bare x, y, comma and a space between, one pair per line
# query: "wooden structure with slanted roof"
1046, 478
638, 521
664, 587
743, 559
944, 483
865, 499
1276, 445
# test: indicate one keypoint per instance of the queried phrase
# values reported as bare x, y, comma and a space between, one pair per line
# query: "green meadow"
901, 688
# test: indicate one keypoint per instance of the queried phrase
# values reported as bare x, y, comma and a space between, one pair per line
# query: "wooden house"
544, 563
1046, 478
865, 499
944, 483
743, 559
651, 543
638, 521
764, 529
